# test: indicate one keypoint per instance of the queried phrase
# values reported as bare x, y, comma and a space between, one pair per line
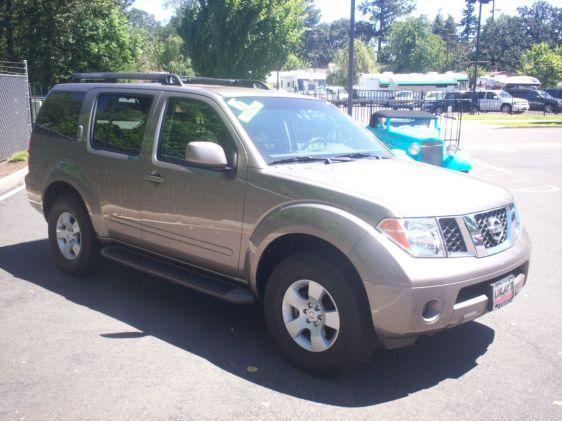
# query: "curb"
12, 181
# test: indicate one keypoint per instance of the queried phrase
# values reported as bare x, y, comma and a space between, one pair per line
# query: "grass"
517, 120
18, 157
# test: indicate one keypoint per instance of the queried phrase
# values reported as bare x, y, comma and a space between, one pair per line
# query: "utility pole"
493, 11
475, 75
350, 68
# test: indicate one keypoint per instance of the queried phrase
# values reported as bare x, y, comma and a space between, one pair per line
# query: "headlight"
414, 148
451, 150
418, 236
516, 225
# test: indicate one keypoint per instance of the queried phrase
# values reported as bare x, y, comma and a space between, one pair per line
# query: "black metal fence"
15, 117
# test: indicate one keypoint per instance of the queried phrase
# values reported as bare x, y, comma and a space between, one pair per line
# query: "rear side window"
120, 122
60, 112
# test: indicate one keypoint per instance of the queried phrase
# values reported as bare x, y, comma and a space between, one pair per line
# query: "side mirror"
206, 154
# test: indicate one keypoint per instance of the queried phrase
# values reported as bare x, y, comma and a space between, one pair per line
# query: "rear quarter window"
60, 113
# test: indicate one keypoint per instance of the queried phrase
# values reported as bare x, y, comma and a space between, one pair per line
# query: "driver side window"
189, 120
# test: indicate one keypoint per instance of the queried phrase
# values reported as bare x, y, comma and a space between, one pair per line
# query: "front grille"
452, 235
432, 153
493, 227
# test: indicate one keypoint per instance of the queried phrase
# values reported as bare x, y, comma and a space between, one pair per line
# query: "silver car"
252, 195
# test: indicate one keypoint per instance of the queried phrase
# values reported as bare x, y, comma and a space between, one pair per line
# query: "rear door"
119, 123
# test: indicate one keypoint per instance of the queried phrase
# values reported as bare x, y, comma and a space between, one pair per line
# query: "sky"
336, 9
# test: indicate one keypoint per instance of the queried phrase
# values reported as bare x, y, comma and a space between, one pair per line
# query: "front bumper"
398, 295
520, 107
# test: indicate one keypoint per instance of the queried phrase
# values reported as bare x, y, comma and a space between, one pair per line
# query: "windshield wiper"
299, 159
361, 155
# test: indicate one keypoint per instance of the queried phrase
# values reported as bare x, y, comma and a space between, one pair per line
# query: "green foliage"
383, 13
503, 42
294, 62
414, 48
469, 22
363, 62
18, 157
235, 38
544, 63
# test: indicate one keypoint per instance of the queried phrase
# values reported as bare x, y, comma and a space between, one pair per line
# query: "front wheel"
506, 108
316, 315
548, 109
72, 237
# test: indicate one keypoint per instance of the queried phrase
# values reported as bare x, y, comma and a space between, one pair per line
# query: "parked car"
417, 134
249, 194
401, 100
538, 100
495, 101
555, 92
439, 102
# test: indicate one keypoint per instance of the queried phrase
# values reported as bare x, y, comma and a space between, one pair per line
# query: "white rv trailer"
413, 81
500, 81
301, 81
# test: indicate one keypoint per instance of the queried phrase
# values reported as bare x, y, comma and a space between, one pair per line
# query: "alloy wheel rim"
68, 236
311, 316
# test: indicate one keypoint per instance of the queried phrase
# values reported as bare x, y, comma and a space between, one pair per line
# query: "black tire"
474, 109
356, 339
87, 259
438, 111
506, 108
548, 109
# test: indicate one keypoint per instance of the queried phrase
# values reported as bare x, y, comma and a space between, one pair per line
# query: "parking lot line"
11, 193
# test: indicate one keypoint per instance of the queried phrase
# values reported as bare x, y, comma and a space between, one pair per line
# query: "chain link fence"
15, 117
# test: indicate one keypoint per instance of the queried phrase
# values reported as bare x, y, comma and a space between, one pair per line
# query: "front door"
192, 213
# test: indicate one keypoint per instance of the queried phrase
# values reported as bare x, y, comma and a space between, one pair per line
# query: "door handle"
153, 177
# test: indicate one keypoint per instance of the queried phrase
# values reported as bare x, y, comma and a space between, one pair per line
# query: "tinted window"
120, 122
60, 112
481, 95
188, 120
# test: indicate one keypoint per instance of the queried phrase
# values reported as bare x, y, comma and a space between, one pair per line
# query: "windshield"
435, 95
504, 94
295, 127
545, 94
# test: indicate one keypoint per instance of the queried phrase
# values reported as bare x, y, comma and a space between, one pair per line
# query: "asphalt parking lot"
124, 345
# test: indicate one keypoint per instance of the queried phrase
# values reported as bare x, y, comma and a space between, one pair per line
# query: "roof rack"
244, 83
113, 77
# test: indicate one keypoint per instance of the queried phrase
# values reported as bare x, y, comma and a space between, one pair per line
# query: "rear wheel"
548, 108
72, 237
314, 311
439, 110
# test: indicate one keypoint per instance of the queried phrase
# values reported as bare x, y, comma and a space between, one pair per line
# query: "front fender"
458, 162
338, 227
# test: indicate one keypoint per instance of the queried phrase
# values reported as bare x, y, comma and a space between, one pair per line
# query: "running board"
209, 284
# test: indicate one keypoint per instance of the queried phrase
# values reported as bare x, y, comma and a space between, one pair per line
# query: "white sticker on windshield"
250, 112
239, 105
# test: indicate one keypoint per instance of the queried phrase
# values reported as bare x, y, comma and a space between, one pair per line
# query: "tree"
544, 63
246, 39
363, 62
542, 22
414, 48
438, 27
468, 23
294, 62
383, 14
502, 43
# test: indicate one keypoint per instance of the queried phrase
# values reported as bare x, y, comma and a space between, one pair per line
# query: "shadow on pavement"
235, 337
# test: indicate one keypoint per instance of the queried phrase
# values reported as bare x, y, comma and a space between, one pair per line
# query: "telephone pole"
475, 75
350, 67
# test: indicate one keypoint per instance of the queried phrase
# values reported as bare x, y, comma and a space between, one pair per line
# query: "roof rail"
113, 77
244, 83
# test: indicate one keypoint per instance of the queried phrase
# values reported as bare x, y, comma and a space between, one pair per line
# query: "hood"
406, 188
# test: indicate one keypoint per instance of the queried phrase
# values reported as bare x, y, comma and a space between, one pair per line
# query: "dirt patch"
7, 169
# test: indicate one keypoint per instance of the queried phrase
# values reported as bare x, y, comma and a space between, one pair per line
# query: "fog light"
432, 310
